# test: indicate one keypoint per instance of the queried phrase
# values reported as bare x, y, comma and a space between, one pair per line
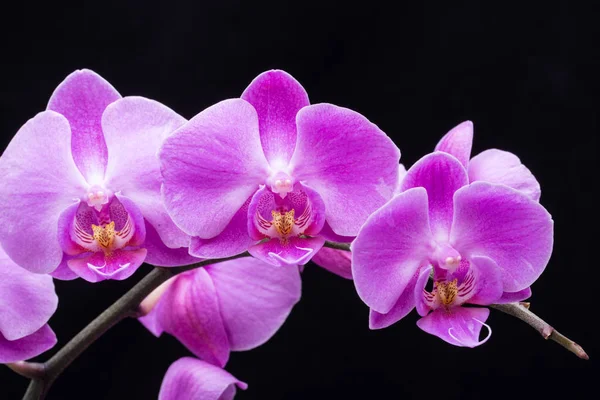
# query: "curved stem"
121, 309
337, 246
521, 311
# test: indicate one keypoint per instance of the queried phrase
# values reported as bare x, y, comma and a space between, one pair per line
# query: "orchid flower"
27, 301
235, 305
189, 379
481, 243
81, 185
275, 175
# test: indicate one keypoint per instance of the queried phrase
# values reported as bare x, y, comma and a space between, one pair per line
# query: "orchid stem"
127, 305
522, 312
337, 246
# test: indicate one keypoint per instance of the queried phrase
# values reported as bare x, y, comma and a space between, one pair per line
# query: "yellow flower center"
283, 223
105, 235
446, 291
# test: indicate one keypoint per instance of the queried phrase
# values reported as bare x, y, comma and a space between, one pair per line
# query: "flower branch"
337, 246
522, 312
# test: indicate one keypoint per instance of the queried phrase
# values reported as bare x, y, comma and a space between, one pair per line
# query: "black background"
525, 75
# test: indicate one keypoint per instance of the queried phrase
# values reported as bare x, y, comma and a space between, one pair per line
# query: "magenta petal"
348, 160
513, 297
27, 300
336, 261
211, 165
330, 235
189, 310
233, 240
134, 128
255, 299
505, 225
391, 246
458, 142
27, 347
119, 265
403, 306
497, 166
33, 194
460, 326
488, 281
441, 175
420, 303
163, 256
296, 251
82, 98
318, 212
192, 379
277, 98
63, 272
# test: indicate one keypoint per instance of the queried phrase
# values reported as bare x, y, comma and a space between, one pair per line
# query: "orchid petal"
391, 246
497, 166
211, 165
39, 181
255, 299
294, 251
27, 347
458, 142
420, 302
348, 160
459, 326
505, 225
134, 128
403, 306
63, 272
441, 175
119, 265
513, 297
335, 261
487, 282
192, 379
27, 302
277, 98
82, 98
163, 256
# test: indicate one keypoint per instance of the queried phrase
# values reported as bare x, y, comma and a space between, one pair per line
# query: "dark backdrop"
524, 75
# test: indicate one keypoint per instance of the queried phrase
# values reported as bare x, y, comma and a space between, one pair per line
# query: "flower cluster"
98, 184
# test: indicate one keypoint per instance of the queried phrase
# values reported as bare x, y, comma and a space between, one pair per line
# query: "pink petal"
488, 281
190, 378
27, 300
255, 299
26, 347
82, 98
120, 265
63, 272
139, 236
330, 235
296, 251
421, 305
163, 256
151, 319
211, 165
134, 128
277, 98
458, 142
505, 225
441, 175
33, 194
403, 306
189, 310
497, 166
336, 261
350, 162
513, 297
460, 326
233, 240
391, 246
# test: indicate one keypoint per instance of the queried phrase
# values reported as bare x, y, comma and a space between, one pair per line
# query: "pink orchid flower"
485, 243
235, 305
27, 301
190, 378
275, 175
80, 191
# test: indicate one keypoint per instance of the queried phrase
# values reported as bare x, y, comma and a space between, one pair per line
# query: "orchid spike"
27, 301
481, 243
81, 185
275, 175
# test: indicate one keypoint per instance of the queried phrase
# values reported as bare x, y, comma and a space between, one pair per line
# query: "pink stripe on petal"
82, 98
459, 326
26, 347
505, 225
39, 181
348, 160
210, 166
391, 246
193, 379
441, 175
277, 98
458, 142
